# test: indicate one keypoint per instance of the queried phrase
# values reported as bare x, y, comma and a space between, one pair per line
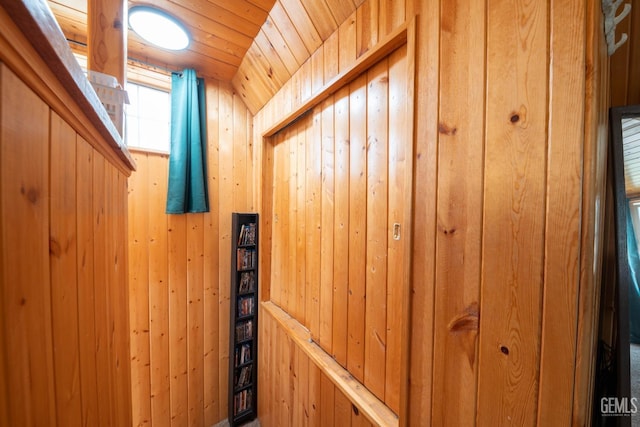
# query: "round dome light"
158, 27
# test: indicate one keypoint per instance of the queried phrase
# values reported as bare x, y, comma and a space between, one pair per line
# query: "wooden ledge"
34, 20
367, 403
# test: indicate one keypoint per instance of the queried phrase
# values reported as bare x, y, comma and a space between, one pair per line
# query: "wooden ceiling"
631, 155
257, 45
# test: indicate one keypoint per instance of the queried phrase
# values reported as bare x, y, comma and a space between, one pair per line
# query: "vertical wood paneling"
564, 201
156, 186
212, 409
490, 137
342, 411
301, 224
593, 190
313, 217
294, 380
397, 258
459, 229
85, 276
341, 226
195, 318
178, 344
347, 43
377, 212
278, 236
314, 395
327, 243
514, 208
25, 278
303, 388
424, 215
226, 200
120, 299
341, 137
331, 52
327, 401
138, 288
292, 286
357, 227
65, 337
367, 25
101, 271
187, 269
64, 286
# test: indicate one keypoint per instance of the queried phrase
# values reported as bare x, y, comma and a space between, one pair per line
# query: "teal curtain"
634, 288
187, 162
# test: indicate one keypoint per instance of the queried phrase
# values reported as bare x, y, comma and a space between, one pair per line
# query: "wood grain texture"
289, 336
139, 313
187, 264
85, 276
154, 169
64, 286
459, 227
375, 344
336, 137
425, 192
26, 285
563, 215
70, 307
341, 226
357, 227
593, 189
514, 200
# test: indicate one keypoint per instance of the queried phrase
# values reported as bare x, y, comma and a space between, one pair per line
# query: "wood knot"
467, 321
355, 409
31, 194
504, 350
445, 129
515, 118
54, 248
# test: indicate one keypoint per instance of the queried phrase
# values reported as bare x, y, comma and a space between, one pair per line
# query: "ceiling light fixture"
158, 27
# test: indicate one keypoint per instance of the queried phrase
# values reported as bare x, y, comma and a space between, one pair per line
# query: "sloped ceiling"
631, 153
221, 32
257, 45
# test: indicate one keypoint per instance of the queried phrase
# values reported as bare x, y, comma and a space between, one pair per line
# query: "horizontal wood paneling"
65, 297
179, 275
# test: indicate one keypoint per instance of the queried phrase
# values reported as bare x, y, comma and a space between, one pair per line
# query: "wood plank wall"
508, 178
64, 339
299, 394
337, 192
179, 275
625, 62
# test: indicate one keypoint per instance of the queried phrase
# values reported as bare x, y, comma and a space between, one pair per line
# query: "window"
148, 118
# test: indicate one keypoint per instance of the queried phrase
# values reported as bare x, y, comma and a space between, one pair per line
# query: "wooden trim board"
369, 405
